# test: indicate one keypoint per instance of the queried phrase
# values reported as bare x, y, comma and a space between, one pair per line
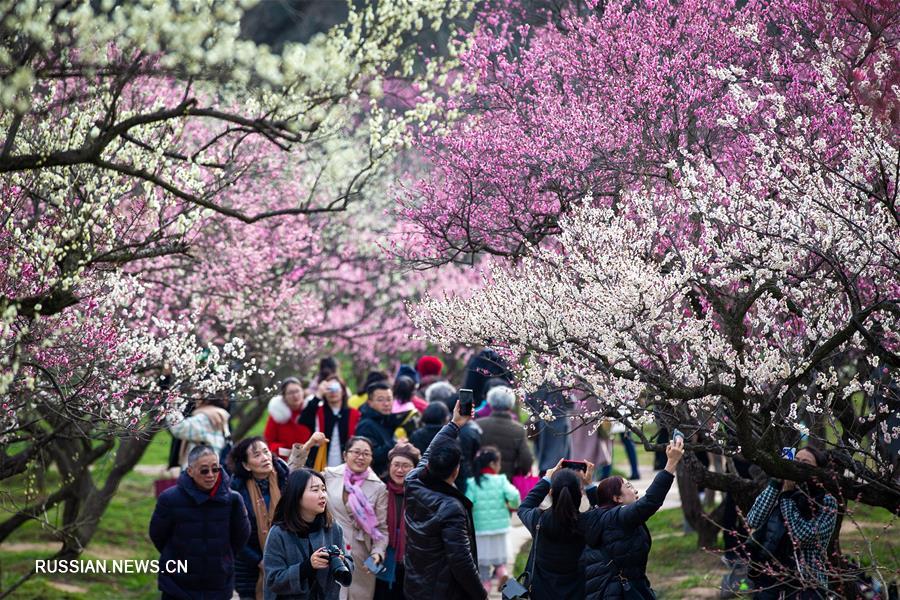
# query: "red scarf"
396, 528
215, 488
488, 471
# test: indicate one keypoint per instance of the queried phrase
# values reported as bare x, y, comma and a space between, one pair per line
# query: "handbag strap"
529, 573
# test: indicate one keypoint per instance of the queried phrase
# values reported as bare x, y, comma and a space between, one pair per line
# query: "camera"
338, 568
333, 386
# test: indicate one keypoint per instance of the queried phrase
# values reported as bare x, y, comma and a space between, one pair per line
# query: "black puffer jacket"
555, 562
206, 531
421, 437
618, 543
440, 561
380, 429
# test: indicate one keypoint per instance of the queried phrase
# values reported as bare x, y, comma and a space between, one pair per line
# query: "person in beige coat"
358, 500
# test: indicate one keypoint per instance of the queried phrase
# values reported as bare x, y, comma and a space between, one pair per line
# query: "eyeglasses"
208, 471
362, 453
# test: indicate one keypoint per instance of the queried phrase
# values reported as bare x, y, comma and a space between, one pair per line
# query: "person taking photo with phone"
617, 541
554, 565
441, 555
793, 524
329, 413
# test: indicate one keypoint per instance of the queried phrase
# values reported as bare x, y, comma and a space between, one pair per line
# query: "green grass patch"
522, 558
121, 534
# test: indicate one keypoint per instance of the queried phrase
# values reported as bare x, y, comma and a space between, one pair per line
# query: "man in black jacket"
441, 561
203, 522
377, 422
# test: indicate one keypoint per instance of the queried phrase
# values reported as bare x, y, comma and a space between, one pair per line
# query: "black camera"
338, 568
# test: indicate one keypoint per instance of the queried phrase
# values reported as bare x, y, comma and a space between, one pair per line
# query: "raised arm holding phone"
616, 535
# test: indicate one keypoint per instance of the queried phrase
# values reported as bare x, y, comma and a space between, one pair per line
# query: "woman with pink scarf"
358, 500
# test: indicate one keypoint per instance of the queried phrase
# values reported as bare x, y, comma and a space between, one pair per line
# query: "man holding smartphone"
440, 559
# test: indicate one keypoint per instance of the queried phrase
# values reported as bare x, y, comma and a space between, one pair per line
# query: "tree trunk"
91, 508
692, 508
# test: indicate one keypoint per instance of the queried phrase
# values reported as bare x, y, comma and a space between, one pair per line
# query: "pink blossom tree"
693, 209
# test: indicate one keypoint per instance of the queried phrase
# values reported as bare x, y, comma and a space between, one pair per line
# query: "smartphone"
373, 567
677, 434
466, 402
577, 465
788, 453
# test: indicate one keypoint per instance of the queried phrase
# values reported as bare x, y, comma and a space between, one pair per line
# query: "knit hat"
373, 377
406, 450
429, 365
407, 371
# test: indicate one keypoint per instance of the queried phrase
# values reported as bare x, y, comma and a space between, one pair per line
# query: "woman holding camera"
555, 561
303, 557
329, 413
793, 524
617, 541
358, 500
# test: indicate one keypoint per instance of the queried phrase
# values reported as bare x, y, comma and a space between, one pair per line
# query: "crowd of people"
395, 493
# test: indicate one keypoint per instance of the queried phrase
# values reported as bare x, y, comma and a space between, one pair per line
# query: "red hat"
429, 365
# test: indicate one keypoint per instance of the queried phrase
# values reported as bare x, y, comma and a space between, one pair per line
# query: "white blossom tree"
750, 306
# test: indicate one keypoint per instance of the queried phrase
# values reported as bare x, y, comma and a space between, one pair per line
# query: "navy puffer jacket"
379, 429
617, 543
206, 531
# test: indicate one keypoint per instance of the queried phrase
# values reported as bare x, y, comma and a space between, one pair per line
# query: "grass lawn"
122, 534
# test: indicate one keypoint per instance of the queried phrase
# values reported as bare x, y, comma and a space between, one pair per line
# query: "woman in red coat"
283, 428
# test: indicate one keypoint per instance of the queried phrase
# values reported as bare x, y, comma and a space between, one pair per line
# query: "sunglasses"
208, 471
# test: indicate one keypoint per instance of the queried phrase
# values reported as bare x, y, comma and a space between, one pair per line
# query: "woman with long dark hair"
793, 525
555, 561
296, 558
259, 478
617, 541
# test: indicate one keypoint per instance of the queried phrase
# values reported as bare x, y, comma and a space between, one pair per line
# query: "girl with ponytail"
492, 496
555, 562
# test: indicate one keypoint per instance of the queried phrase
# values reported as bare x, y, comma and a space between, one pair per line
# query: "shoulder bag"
520, 587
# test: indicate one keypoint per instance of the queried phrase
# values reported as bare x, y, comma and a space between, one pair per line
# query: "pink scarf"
359, 504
